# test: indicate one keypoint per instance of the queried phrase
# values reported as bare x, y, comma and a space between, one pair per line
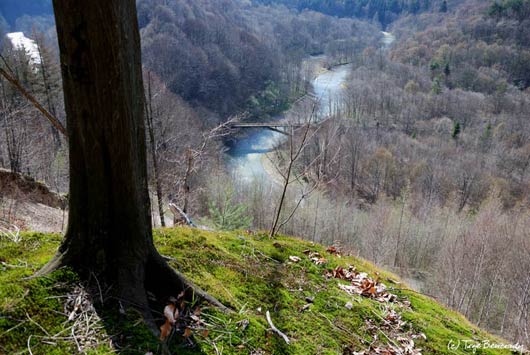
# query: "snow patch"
21, 42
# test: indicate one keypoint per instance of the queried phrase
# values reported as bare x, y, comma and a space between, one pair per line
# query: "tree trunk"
109, 226
154, 157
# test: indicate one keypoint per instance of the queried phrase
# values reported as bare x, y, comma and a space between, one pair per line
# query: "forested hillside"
213, 59
220, 54
431, 145
383, 11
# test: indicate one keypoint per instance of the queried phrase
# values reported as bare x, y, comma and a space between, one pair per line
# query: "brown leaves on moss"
361, 284
182, 319
390, 326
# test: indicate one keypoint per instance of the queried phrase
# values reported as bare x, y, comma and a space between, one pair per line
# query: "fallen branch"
276, 330
54, 121
177, 211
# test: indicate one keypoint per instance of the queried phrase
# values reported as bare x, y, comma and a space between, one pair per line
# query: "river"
245, 157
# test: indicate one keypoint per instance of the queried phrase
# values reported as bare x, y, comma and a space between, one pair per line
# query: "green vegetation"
226, 213
251, 274
518, 9
271, 101
456, 130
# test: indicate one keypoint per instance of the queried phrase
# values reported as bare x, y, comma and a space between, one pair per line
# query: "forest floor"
323, 302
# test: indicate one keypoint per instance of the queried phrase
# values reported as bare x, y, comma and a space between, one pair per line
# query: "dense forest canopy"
219, 54
475, 48
384, 11
227, 56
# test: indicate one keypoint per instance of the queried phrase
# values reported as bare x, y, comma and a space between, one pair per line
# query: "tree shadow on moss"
130, 334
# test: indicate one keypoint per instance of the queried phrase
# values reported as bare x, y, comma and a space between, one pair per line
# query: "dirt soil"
30, 205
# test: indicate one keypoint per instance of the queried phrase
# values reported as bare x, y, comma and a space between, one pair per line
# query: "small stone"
349, 305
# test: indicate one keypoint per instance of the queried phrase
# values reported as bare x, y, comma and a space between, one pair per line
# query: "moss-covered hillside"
296, 281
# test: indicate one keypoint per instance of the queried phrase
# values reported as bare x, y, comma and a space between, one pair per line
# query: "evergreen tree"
436, 87
443, 6
226, 213
447, 69
456, 130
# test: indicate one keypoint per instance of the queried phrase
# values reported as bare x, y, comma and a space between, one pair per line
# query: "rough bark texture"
109, 226
109, 229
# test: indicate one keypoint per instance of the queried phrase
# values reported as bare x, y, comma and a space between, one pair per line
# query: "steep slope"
306, 294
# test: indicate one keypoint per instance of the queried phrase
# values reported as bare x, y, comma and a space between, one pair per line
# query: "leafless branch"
54, 121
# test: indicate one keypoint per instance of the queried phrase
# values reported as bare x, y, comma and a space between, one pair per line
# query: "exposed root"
165, 282
55, 263
161, 280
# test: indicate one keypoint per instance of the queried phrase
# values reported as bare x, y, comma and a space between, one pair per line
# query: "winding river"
246, 156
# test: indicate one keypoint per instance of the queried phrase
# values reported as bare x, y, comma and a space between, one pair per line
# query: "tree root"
164, 281
55, 263
161, 279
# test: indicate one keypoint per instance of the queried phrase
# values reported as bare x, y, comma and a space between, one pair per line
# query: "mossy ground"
251, 274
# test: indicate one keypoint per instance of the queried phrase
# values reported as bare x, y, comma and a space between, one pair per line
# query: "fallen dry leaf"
165, 330
305, 307
187, 333
361, 284
171, 313
332, 250
314, 254
319, 261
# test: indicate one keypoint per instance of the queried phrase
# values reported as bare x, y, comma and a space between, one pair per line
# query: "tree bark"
109, 227
154, 157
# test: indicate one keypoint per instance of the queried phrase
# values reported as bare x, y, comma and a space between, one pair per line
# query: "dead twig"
276, 330
29, 346
99, 289
37, 324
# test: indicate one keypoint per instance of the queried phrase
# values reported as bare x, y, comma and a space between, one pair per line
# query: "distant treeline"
11, 10
384, 11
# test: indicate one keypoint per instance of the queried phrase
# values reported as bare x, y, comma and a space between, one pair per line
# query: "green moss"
249, 273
